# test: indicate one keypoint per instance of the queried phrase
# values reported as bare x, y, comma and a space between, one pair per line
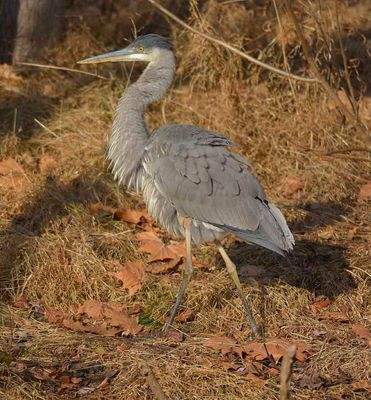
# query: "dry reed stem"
229, 47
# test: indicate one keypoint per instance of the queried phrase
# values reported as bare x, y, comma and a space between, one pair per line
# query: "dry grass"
55, 252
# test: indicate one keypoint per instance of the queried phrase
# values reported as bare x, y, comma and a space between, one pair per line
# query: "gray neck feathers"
129, 132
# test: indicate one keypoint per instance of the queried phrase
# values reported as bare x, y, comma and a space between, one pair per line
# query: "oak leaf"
361, 331
186, 315
116, 315
221, 343
152, 244
100, 209
131, 216
321, 302
275, 347
99, 329
132, 275
54, 316
163, 267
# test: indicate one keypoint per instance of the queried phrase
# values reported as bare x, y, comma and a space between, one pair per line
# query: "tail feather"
272, 233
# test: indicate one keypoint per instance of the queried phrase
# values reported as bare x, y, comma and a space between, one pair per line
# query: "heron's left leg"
187, 223
231, 268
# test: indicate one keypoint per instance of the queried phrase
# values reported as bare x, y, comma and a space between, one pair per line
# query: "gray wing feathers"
195, 171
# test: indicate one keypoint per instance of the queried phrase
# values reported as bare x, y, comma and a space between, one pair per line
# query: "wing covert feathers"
204, 180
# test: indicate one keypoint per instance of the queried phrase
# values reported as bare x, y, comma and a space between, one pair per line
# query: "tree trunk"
38, 22
8, 28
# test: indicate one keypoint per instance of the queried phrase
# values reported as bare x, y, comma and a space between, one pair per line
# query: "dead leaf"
229, 366
164, 267
365, 192
100, 329
11, 174
314, 381
335, 316
152, 244
255, 379
75, 380
47, 164
186, 316
21, 302
116, 315
131, 216
132, 275
293, 185
362, 385
321, 302
100, 210
221, 343
54, 316
361, 331
275, 347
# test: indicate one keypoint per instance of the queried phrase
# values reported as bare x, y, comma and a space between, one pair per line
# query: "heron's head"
145, 48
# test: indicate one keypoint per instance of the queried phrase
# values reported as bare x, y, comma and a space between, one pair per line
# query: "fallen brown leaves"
127, 215
132, 275
164, 258
362, 332
150, 243
274, 347
107, 319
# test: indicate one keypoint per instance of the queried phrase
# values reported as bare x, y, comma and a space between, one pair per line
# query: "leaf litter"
106, 319
259, 351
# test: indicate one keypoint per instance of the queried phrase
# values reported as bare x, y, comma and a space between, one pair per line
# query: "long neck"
129, 132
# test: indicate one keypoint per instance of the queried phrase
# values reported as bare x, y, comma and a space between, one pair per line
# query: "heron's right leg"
186, 274
231, 268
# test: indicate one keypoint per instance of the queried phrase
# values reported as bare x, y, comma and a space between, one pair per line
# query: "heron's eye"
141, 49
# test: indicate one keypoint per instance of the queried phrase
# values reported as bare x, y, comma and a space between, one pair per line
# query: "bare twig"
345, 62
153, 382
286, 370
229, 47
313, 67
63, 69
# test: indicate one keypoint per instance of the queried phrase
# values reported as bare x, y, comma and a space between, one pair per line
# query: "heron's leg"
231, 268
186, 274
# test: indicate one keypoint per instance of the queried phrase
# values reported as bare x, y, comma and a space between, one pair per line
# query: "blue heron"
192, 183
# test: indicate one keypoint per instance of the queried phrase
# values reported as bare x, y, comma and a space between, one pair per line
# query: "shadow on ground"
317, 267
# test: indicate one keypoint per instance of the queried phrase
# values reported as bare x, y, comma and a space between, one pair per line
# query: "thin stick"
63, 69
313, 67
345, 62
46, 128
153, 382
286, 370
229, 47
285, 61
